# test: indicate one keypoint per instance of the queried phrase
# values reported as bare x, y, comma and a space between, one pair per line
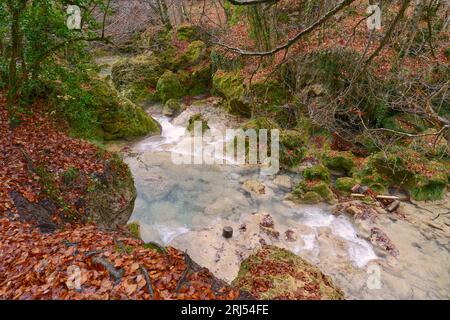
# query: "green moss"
345, 184
142, 71
230, 86
197, 118
404, 122
292, 148
425, 180
169, 87
311, 197
319, 172
310, 191
172, 108
197, 80
193, 55
339, 161
187, 33
286, 275
135, 229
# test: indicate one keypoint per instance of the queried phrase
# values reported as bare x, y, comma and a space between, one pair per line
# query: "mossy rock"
341, 161
292, 148
118, 116
405, 122
144, 70
275, 273
172, 108
424, 179
308, 190
169, 87
195, 53
230, 86
197, 118
197, 80
188, 32
345, 184
110, 201
317, 172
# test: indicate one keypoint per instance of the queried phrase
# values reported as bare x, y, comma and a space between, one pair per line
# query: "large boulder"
169, 87
111, 200
137, 76
230, 86
424, 179
275, 273
119, 117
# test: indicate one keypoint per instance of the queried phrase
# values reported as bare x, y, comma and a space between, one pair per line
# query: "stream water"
186, 206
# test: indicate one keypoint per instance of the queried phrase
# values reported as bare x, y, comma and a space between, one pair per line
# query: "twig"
148, 281
188, 262
115, 273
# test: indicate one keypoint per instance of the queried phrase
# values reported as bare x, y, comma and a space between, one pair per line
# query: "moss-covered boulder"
197, 118
172, 108
317, 172
230, 86
312, 191
169, 87
197, 79
195, 53
111, 200
345, 184
118, 116
340, 161
292, 148
137, 76
370, 177
275, 273
424, 179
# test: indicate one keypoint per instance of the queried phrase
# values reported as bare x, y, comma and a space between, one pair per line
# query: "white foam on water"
167, 234
170, 134
309, 240
359, 250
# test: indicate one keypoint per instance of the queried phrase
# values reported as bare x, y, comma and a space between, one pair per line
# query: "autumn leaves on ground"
38, 257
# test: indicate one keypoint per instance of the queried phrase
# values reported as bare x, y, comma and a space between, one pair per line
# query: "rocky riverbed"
368, 252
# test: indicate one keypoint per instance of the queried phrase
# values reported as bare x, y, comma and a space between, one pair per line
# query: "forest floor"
110, 265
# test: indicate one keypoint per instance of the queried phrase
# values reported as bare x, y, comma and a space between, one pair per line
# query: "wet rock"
393, 206
379, 238
267, 221
290, 235
283, 181
255, 188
